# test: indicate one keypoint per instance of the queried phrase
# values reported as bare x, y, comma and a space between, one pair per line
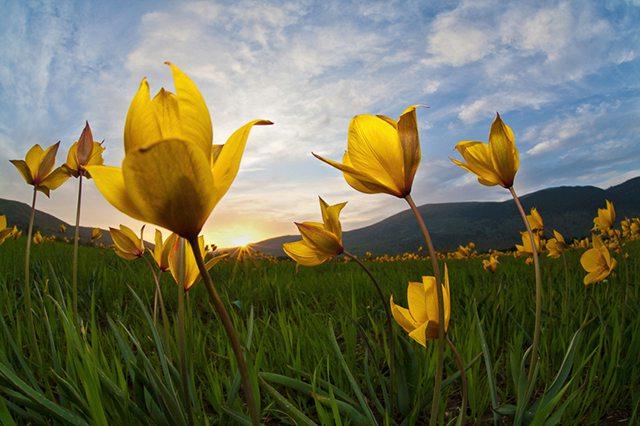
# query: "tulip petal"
358, 180
47, 162
56, 178
504, 153
34, 158
141, 127
410, 142
403, 317
419, 334
331, 217
303, 254
194, 114
110, 182
125, 240
591, 260
228, 160
417, 301
171, 185
478, 161
317, 237
374, 148
24, 170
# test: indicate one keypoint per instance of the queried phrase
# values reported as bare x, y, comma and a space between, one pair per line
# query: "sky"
564, 75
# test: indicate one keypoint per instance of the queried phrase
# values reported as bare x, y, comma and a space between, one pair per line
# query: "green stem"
182, 341
76, 242
387, 310
435, 403
158, 295
224, 317
463, 380
536, 264
27, 280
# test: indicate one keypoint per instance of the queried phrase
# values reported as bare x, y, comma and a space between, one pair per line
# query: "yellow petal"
331, 217
320, 239
170, 184
410, 142
3, 222
72, 160
303, 254
158, 248
194, 114
416, 299
374, 148
47, 162
504, 153
419, 334
431, 298
141, 127
110, 182
167, 115
403, 317
592, 260
228, 160
84, 145
34, 158
478, 161
24, 170
124, 239
55, 179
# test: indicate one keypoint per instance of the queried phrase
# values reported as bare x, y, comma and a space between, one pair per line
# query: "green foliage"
318, 343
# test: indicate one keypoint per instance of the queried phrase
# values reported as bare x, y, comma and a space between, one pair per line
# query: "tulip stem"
463, 380
435, 403
158, 295
387, 309
27, 281
182, 342
76, 243
536, 264
224, 317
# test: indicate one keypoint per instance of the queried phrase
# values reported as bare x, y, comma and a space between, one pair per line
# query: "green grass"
116, 367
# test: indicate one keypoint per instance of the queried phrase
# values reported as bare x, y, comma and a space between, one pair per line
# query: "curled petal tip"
168, 63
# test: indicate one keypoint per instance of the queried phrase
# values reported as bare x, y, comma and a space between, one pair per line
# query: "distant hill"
569, 209
18, 214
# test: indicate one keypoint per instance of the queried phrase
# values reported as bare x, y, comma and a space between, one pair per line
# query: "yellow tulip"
556, 245
38, 238
63, 228
382, 154
606, 218
420, 320
495, 163
172, 175
526, 248
597, 262
162, 249
4, 231
126, 243
491, 264
182, 262
84, 152
535, 220
320, 241
96, 234
37, 169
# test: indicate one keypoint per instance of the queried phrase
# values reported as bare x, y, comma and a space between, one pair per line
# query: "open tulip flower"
526, 248
172, 175
38, 238
182, 262
320, 241
4, 231
162, 249
126, 243
535, 221
382, 154
84, 152
37, 169
495, 163
420, 320
556, 245
96, 234
490, 264
605, 219
597, 261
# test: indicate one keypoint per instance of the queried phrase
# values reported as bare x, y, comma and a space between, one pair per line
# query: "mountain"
18, 214
569, 209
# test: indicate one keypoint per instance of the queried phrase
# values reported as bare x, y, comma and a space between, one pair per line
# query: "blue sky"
564, 75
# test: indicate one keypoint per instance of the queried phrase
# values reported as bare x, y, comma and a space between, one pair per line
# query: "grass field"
117, 368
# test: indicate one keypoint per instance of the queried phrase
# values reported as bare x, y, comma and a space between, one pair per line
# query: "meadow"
317, 342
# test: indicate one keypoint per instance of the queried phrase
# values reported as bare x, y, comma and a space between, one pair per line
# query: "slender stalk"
224, 317
27, 280
76, 242
536, 264
182, 341
435, 403
158, 295
387, 311
463, 380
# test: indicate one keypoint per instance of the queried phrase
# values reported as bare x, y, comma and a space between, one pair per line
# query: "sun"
240, 240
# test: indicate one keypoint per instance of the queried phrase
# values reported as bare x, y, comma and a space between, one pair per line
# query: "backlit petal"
24, 170
410, 142
141, 127
331, 217
303, 254
110, 182
403, 317
416, 299
34, 158
504, 153
56, 178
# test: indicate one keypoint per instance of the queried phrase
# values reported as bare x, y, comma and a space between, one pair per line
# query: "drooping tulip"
321, 241
126, 243
556, 245
172, 175
605, 219
382, 154
495, 163
420, 320
597, 262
